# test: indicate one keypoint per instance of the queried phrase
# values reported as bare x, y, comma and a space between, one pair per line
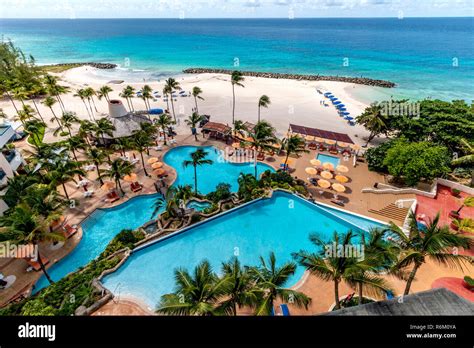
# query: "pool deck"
320, 291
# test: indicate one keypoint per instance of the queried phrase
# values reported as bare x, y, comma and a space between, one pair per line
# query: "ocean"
425, 57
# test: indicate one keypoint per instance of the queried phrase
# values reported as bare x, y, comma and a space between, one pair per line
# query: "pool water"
326, 158
209, 175
199, 206
98, 230
280, 224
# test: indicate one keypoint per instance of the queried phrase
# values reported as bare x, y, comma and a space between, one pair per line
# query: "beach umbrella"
340, 106
289, 163
159, 171
152, 160
337, 102
341, 178
338, 188
324, 183
342, 109
309, 138
328, 166
346, 113
355, 147
311, 171
236, 145
342, 169
342, 144
327, 94
326, 175
329, 141
108, 185
130, 178
349, 118
319, 140
315, 162
157, 165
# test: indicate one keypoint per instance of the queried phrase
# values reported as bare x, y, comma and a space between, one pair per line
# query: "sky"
233, 8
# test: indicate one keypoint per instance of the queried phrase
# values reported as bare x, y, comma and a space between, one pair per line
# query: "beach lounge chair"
321, 147
69, 231
35, 264
135, 186
284, 310
333, 150
338, 202
312, 146
261, 156
112, 197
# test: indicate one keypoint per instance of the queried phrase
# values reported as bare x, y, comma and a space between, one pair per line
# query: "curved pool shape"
199, 206
209, 175
280, 224
98, 230
326, 158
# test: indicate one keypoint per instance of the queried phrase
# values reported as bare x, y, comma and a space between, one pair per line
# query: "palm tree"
104, 127
293, 145
121, 145
164, 122
169, 202
328, 264
44, 200
86, 129
271, 280
118, 169
197, 95
195, 294
197, 159
374, 120
236, 79
171, 85
467, 160
16, 188
182, 195
167, 96
68, 119
128, 92
54, 89
146, 96
467, 202
25, 226
97, 157
34, 92
239, 128
433, 242
80, 93
103, 92
25, 114
261, 138
89, 93
34, 128
242, 291
193, 121
49, 102
263, 102
141, 141
74, 143
64, 171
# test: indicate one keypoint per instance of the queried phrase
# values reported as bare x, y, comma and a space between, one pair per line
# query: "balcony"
6, 133
13, 157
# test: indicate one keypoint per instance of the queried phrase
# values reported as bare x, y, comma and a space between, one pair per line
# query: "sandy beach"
292, 101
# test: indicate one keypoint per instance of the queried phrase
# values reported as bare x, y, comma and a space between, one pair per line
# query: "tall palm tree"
198, 158
168, 202
118, 169
80, 93
17, 186
197, 95
63, 172
67, 120
25, 114
141, 141
167, 96
467, 160
374, 120
25, 226
86, 129
89, 93
103, 92
329, 265
242, 291
97, 157
104, 127
34, 128
34, 92
261, 139
434, 242
171, 86
128, 92
44, 200
55, 90
164, 121
49, 102
263, 102
146, 96
271, 279
239, 128
293, 145
198, 293
236, 79
74, 143
193, 121
122, 145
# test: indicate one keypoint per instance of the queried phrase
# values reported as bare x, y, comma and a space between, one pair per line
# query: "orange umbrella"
355, 147
343, 145
107, 186
311, 171
342, 179
329, 141
315, 162
152, 160
159, 171
328, 166
236, 145
324, 183
319, 140
338, 188
326, 175
290, 162
342, 169
157, 165
130, 178
309, 138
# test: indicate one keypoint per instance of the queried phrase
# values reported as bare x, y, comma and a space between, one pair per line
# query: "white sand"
292, 101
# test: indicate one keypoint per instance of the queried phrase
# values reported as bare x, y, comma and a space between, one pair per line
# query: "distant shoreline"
61, 67
356, 80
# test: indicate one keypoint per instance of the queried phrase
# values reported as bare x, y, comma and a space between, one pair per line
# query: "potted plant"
468, 283
455, 192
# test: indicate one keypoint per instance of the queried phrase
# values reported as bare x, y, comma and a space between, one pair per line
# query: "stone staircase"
392, 212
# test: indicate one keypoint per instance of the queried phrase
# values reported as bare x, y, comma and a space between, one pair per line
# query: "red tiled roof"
217, 127
321, 133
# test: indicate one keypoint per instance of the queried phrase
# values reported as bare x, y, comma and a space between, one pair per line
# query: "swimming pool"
326, 158
199, 206
280, 224
209, 175
98, 230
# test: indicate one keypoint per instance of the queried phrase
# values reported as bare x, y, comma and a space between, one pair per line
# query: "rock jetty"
357, 80
105, 66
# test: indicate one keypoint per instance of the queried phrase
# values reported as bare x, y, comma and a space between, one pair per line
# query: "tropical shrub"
375, 156
124, 239
222, 192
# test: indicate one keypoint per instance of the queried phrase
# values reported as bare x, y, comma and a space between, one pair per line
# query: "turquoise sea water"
281, 224
98, 230
209, 176
426, 57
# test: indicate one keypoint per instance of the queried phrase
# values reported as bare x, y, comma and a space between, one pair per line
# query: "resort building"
10, 158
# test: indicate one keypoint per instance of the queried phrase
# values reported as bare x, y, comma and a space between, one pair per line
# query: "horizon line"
295, 18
